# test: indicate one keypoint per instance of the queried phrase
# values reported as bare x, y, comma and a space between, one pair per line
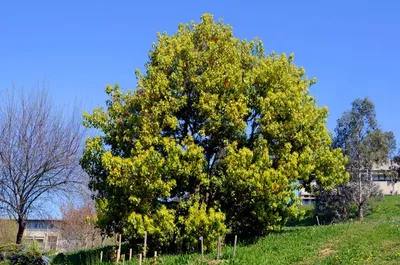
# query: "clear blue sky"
351, 47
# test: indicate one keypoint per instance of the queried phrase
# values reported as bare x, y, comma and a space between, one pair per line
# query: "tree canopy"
215, 138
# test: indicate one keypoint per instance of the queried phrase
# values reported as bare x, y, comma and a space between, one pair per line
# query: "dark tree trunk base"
21, 230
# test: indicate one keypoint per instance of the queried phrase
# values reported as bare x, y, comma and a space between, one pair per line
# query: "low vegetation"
27, 254
376, 240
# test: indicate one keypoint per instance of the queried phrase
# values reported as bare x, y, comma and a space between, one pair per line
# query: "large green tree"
217, 135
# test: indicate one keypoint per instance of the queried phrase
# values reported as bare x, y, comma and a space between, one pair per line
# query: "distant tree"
78, 226
216, 136
365, 145
39, 153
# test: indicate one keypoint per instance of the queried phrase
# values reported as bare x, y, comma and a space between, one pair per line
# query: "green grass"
374, 241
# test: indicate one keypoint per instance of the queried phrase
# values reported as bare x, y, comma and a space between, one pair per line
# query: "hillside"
374, 241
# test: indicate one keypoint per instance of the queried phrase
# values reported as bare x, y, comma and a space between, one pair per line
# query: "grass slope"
374, 241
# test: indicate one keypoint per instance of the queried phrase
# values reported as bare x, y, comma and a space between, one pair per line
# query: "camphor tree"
215, 137
365, 145
39, 153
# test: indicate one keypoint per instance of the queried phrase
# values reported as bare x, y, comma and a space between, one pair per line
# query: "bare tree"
78, 228
39, 152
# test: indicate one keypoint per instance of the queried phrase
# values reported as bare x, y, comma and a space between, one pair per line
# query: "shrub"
7, 250
87, 256
338, 205
202, 222
21, 255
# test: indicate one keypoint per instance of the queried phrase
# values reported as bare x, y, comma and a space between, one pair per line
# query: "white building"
44, 232
380, 176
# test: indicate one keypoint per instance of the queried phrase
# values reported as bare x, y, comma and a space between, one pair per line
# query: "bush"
337, 205
7, 250
202, 222
304, 218
88, 256
22, 255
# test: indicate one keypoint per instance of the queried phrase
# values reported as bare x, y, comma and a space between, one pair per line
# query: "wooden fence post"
101, 256
234, 246
145, 246
119, 249
140, 259
130, 254
201, 247
219, 248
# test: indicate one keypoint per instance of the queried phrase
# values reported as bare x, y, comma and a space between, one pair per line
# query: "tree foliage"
216, 135
366, 146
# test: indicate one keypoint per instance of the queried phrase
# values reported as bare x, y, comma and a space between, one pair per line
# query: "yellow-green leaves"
160, 225
217, 134
200, 221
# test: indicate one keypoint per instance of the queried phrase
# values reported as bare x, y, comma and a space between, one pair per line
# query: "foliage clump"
28, 254
214, 140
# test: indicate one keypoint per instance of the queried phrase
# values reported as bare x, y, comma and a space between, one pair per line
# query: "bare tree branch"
39, 152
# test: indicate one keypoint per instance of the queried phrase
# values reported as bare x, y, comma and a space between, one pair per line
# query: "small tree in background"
39, 153
365, 145
78, 226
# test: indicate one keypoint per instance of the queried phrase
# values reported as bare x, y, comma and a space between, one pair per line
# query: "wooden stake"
119, 249
130, 254
145, 245
219, 248
155, 256
101, 256
201, 247
234, 246
317, 220
140, 259
123, 259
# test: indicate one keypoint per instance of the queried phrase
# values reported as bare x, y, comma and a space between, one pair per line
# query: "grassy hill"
374, 241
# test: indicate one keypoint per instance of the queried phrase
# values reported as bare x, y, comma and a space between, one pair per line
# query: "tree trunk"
361, 213
360, 199
103, 237
93, 238
21, 229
